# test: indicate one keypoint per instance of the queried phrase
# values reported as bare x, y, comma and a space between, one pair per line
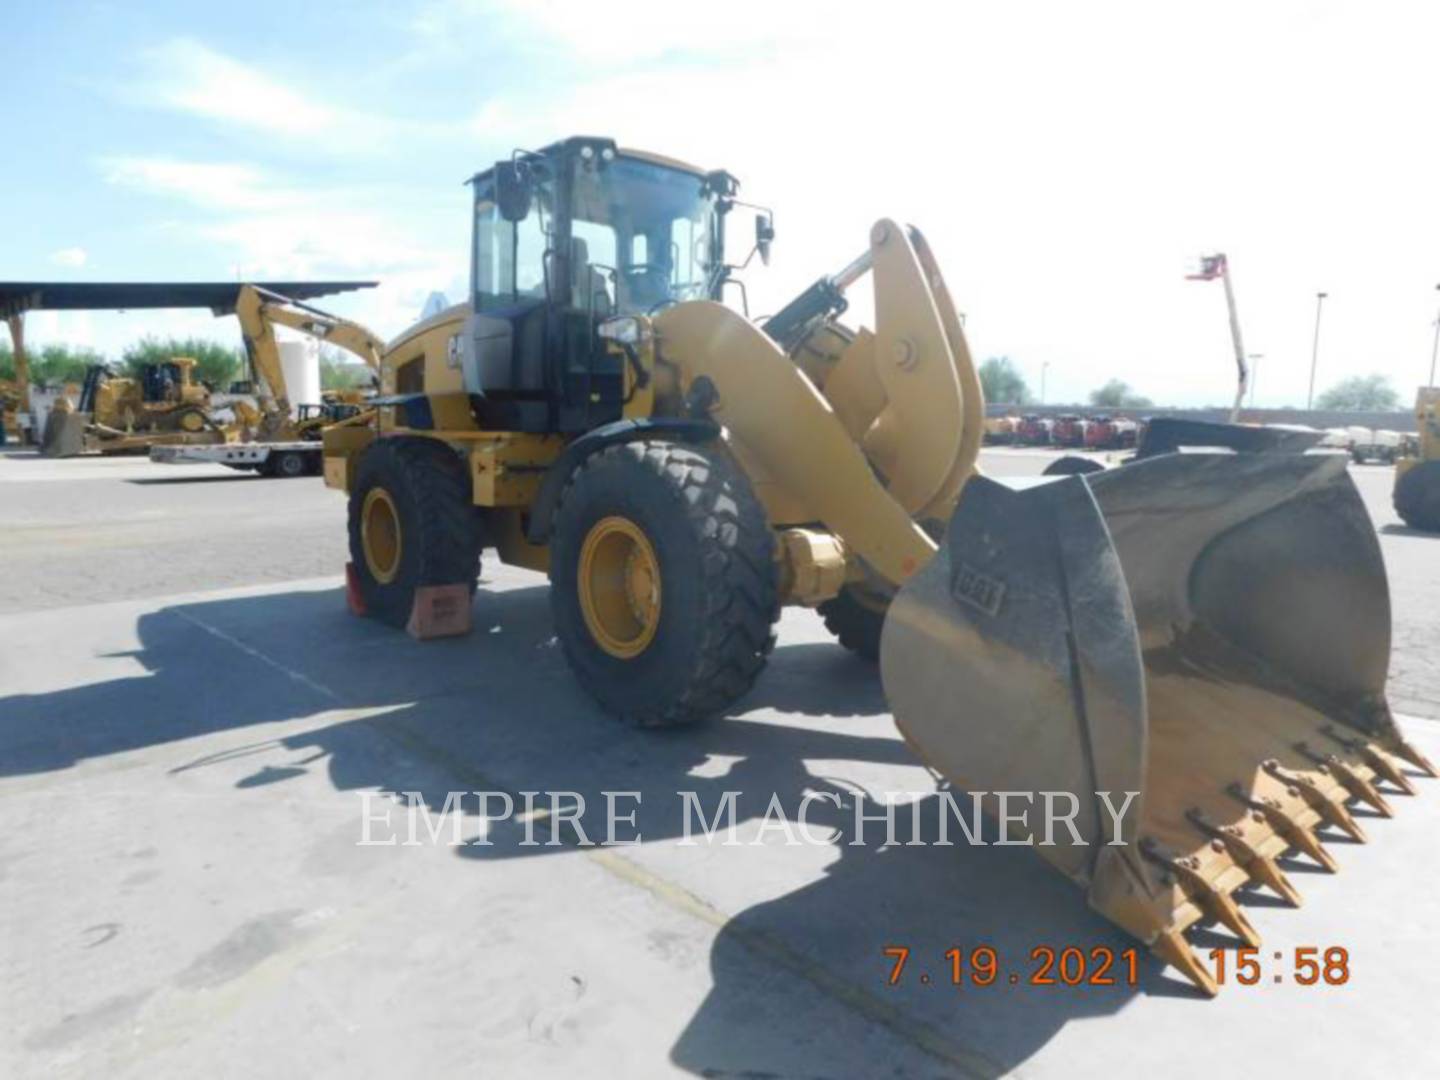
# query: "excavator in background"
1203, 637
272, 442
164, 408
159, 406
1417, 472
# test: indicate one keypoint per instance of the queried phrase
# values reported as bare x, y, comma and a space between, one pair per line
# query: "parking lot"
190, 722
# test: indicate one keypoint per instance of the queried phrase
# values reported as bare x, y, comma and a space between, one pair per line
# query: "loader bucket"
1210, 631
64, 433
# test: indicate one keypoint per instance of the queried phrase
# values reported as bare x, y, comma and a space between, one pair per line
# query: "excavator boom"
259, 311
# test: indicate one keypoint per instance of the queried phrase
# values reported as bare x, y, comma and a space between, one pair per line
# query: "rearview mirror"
764, 235
512, 190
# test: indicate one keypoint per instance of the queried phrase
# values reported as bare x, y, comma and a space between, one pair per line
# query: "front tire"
663, 582
412, 524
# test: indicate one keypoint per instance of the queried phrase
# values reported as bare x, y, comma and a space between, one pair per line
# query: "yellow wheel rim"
192, 421
380, 535
619, 587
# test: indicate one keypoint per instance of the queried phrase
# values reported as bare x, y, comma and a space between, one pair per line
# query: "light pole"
1044, 368
1254, 358
1434, 349
1315, 349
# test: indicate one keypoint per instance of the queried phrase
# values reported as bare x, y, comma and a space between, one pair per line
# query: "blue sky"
1066, 160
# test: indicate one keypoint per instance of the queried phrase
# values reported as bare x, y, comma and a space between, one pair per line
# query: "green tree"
1117, 394
51, 363
215, 364
1363, 393
1002, 382
339, 370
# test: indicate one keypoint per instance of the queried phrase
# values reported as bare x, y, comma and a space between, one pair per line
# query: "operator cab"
564, 239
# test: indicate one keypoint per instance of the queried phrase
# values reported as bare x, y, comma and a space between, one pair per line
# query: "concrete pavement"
185, 775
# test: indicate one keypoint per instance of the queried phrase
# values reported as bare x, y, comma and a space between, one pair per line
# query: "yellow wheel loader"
1417, 474
1158, 642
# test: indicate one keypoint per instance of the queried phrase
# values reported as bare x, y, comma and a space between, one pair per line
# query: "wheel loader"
1208, 632
1417, 473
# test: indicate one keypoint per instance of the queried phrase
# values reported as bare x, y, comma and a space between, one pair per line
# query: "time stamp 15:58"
1100, 965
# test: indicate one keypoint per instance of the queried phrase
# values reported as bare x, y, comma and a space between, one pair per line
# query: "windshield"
642, 235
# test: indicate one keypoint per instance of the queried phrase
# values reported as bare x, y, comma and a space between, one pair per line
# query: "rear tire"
856, 621
411, 524
1417, 496
1073, 465
703, 619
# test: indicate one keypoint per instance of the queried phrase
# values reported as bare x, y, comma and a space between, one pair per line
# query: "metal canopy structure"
18, 297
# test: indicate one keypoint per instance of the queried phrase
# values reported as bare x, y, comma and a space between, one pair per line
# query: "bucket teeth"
1403, 749
1373, 756
1215, 903
1261, 868
1296, 834
1172, 947
1347, 778
1332, 811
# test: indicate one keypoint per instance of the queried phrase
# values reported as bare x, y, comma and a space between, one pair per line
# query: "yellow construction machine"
268, 439
1417, 472
164, 410
260, 310
160, 403
1196, 642
163, 404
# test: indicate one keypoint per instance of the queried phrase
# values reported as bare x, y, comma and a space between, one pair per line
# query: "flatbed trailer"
279, 459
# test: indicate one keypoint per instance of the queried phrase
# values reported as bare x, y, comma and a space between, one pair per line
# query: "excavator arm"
260, 311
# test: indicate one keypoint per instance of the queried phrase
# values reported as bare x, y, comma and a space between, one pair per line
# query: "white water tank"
300, 363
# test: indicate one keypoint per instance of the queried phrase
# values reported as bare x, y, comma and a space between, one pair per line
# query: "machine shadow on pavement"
499, 711
165, 481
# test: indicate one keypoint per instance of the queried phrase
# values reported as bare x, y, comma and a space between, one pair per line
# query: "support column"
22, 366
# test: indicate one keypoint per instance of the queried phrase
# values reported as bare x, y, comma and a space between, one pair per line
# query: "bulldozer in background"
680, 472
159, 403
1417, 471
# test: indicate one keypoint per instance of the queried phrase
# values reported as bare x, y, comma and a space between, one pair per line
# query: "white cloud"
189, 76
222, 186
255, 224
71, 256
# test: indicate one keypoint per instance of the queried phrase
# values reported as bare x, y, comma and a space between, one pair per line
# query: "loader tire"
663, 582
412, 523
1417, 496
855, 619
